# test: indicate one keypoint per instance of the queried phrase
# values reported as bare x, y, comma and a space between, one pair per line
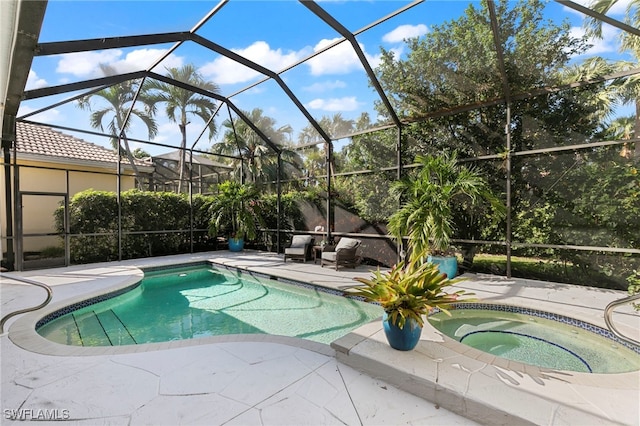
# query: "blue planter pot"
446, 264
236, 244
402, 339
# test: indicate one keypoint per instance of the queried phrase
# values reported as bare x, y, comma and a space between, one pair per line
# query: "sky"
274, 34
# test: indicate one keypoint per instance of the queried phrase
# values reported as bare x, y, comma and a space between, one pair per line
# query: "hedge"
96, 212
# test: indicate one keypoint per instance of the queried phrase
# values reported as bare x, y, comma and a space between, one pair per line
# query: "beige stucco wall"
38, 210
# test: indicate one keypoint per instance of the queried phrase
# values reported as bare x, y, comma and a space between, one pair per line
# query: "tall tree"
629, 88
454, 67
114, 104
181, 103
371, 151
240, 140
335, 126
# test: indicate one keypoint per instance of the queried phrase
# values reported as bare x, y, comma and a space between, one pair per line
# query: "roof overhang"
23, 156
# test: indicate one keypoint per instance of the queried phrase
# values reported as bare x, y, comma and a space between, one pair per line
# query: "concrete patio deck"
271, 380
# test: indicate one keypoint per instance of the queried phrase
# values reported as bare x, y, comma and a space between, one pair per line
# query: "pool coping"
442, 370
23, 331
457, 377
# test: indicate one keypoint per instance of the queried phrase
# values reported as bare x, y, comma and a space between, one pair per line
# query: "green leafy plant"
429, 198
409, 290
145, 217
236, 211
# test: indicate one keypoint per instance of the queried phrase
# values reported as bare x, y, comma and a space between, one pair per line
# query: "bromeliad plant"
409, 291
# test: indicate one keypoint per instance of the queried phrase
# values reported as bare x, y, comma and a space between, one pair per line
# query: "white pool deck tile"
272, 380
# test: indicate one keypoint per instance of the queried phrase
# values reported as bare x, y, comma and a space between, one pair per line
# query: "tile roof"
44, 141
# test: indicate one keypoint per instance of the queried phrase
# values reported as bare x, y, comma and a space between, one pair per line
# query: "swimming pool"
189, 302
537, 338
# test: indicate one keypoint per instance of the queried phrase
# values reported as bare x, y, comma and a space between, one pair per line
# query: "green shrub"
96, 212
91, 212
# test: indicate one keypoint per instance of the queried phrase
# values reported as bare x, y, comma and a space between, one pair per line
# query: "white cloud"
609, 43
325, 86
374, 60
52, 116
348, 103
142, 59
223, 70
404, 32
35, 82
87, 64
340, 59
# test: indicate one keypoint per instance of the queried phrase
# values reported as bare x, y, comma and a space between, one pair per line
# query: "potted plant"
407, 292
430, 196
236, 213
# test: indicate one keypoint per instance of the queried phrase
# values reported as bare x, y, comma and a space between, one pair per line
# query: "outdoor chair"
342, 254
300, 248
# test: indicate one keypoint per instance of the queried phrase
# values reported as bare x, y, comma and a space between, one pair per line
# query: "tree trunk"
132, 161
636, 134
182, 155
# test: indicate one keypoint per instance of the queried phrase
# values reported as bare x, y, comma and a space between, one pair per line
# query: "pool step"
115, 329
102, 329
90, 330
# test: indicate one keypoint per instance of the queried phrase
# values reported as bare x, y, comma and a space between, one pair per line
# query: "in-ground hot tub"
537, 338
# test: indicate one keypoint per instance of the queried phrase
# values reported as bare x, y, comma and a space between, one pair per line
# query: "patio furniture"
342, 254
300, 248
317, 252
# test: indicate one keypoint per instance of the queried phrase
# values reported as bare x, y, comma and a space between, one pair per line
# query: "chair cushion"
295, 251
347, 243
329, 255
300, 240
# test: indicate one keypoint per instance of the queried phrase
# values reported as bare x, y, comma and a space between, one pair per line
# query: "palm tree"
607, 98
241, 140
333, 126
119, 100
629, 89
181, 103
622, 128
429, 198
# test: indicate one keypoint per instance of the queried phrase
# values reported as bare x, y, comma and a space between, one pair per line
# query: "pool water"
536, 341
193, 302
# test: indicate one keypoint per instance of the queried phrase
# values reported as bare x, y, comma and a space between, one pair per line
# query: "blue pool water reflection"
193, 302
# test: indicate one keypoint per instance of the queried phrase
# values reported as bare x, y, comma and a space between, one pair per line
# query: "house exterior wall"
35, 176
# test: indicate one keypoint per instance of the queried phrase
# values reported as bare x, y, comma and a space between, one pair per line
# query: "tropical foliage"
634, 287
236, 211
181, 104
114, 104
627, 90
256, 161
409, 291
560, 197
93, 223
429, 197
